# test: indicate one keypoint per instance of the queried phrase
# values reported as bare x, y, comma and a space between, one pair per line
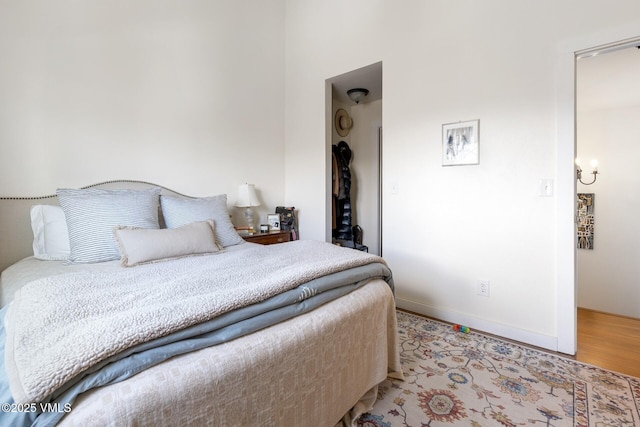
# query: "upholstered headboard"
16, 236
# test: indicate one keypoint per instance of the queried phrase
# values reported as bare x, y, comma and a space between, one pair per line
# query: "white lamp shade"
247, 196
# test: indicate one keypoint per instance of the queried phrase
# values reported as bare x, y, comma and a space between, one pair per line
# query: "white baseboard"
480, 324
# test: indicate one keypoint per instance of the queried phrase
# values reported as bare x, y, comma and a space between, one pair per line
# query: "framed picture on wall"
585, 220
461, 143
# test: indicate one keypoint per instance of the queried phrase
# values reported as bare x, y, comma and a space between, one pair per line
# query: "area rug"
471, 379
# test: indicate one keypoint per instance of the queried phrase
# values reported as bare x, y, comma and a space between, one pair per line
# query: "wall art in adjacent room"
585, 220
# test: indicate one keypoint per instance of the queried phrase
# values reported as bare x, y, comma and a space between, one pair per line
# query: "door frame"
566, 188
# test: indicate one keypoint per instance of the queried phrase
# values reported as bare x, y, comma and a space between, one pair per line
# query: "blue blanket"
218, 330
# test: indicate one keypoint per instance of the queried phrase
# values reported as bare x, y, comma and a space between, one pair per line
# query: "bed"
185, 323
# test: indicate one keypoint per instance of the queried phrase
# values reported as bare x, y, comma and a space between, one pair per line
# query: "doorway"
607, 111
566, 175
363, 141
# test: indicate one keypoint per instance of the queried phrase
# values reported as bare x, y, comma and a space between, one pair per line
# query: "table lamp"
247, 198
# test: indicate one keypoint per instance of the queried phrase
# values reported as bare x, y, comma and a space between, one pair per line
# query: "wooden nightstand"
269, 238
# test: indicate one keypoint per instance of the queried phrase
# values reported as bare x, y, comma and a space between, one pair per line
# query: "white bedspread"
90, 316
307, 371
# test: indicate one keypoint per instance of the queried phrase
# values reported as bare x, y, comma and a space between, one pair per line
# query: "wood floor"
609, 341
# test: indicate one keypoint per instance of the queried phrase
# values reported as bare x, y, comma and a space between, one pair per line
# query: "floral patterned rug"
455, 378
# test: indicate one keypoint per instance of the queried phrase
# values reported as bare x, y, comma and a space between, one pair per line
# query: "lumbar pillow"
141, 245
92, 214
50, 234
178, 211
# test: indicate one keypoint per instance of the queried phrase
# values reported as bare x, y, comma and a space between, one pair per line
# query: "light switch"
395, 187
545, 188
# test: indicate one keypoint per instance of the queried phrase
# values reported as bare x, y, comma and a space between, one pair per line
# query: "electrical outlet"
483, 287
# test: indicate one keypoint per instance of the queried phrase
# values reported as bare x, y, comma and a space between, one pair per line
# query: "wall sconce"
246, 199
594, 165
357, 94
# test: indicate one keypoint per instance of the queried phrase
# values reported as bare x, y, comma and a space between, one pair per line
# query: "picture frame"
585, 220
461, 143
274, 221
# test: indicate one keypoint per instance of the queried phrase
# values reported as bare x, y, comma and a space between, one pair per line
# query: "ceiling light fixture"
357, 94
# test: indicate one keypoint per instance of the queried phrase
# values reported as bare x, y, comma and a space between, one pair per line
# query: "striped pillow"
92, 214
178, 211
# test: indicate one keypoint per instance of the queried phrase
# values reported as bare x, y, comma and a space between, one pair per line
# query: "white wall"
445, 62
315, 53
367, 118
188, 94
608, 274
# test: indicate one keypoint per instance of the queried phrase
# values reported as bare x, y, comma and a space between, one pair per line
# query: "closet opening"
355, 159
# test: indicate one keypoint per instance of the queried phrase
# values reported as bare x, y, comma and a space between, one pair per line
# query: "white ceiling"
369, 77
609, 80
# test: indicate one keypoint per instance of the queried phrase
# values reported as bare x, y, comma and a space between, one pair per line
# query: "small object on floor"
460, 328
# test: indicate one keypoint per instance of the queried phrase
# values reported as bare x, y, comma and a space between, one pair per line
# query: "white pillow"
50, 234
178, 211
140, 245
93, 213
